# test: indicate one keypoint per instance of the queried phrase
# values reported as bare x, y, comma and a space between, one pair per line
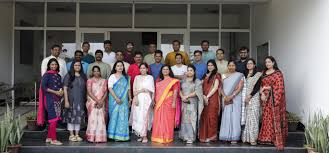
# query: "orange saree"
164, 114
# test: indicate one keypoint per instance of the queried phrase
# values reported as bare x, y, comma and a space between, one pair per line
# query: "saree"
252, 109
49, 102
191, 111
209, 116
274, 127
96, 129
118, 128
164, 114
230, 129
141, 114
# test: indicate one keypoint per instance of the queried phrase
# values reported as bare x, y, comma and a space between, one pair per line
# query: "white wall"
5, 41
298, 32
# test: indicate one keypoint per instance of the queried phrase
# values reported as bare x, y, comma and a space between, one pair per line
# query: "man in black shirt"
241, 65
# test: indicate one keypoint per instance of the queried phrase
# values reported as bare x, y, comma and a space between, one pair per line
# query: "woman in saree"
141, 106
96, 102
192, 105
75, 100
119, 102
230, 129
50, 95
211, 91
274, 127
252, 103
167, 90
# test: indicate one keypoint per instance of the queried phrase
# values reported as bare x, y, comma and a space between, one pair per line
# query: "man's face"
85, 48
98, 57
205, 46
152, 48
176, 46
119, 56
130, 47
138, 58
197, 57
157, 58
78, 56
243, 54
179, 59
56, 51
108, 47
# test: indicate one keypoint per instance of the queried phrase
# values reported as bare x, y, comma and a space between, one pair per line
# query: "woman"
274, 127
75, 100
50, 95
192, 105
143, 97
251, 115
230, 129
96, 103
211, 92
119, 102
167, 90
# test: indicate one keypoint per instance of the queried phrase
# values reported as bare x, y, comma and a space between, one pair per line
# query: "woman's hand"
206, 100
263, 97
118, 101
67, 104
135, 101
185, 99
173, 105
247, 100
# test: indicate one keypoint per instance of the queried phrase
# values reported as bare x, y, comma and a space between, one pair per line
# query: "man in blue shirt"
78, 57
156, 67
200, 66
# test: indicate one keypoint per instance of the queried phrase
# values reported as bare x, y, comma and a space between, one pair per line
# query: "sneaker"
48, 140
78, 138
56, 142
72, 138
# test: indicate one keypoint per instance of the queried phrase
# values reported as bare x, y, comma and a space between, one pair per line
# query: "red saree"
209, 115
274, 127
164, 114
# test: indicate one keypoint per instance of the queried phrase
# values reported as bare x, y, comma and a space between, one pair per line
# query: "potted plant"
15, 136
5, 130
31, 121
293, 120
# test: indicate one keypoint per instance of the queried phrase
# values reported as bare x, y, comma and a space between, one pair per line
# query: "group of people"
115, 90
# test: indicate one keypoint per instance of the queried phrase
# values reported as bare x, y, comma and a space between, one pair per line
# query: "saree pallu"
118, 128
274, 127
209, 115
164, 114
230, 129
96, 130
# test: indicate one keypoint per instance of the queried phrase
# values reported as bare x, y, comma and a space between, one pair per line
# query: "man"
221, 62
200, 66
119, 57
207, 54
241, 65
128, 55
133, 69
55, 52
108, 55
105, 68
156, 66
171, 57
179, 69
78, 57
86, 56
149, 58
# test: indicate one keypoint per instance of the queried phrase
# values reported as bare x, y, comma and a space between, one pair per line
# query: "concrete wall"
298, 34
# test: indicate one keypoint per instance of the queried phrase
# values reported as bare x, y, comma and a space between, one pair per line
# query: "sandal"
189, 141
78, 138
253, 143
72, 138
145, 141
48, 140
234, 142
139, 139
56, 142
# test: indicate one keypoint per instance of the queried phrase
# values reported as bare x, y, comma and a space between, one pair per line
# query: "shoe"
48, 140
56, 142
78, 138
139, 139
207, 141
189, 141
234, 142
72, 138
253, 143
145, 141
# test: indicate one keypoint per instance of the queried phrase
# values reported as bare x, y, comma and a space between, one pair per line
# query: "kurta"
171, 58
208, 55
222, 66
274, 127
209, 115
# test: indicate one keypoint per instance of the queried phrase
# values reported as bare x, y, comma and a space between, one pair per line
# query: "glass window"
231, 43
61, 14
235, 16
205, 16
95, 40
64, 38
29, 14
106, 15
161, 15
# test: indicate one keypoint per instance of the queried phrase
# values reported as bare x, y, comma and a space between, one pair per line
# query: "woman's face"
96, 72
268, 63
143, 70
53, 66
231, 67
77, 66
211, 67
250, 65
165, 71
119, 67
190, 72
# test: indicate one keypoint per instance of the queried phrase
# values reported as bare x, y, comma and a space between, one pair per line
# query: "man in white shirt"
119, 57
108, 54
179, 69
55, 52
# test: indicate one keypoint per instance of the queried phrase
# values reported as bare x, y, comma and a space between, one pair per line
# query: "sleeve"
89, 70
89, 84
135, 83
167, 60
44, 83
129, 78
150, 83
186, 59
278, 88
68, 65
105, 85
110, 82
256, 87
43, 67
66, 80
